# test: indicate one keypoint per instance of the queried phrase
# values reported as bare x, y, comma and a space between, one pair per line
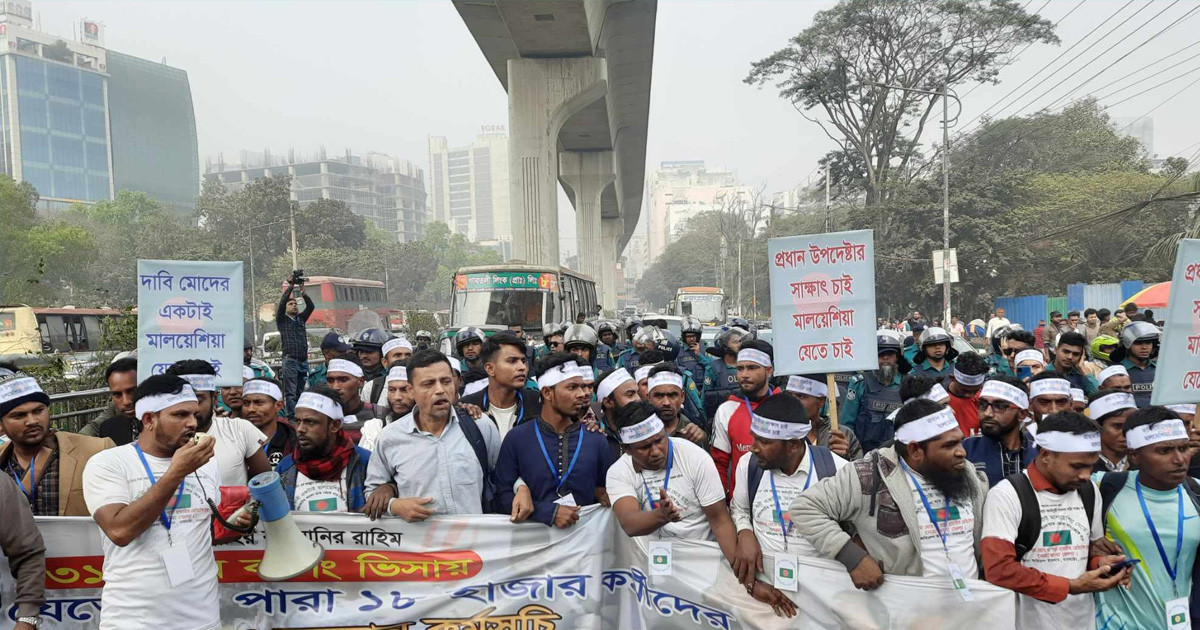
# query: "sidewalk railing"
69, 411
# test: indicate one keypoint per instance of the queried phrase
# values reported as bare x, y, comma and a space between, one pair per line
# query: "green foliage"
418, 321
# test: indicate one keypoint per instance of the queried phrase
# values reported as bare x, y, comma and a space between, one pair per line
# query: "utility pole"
945, 204
739, 275
253, 296
828, 209
295, 252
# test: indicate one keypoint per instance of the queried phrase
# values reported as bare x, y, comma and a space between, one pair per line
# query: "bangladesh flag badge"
787, 573
953, 516
184, 502
660, 560
322, 505
1178, 618
1057, 538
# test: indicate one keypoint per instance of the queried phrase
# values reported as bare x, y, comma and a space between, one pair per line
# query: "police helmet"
889, 340
648, 335
668, 345
1002, 332
741, 322
691, 325
580, 335
631, 323
606, 325
370, 340
424, 334
932, 336
465, 336
728, 335
1132, 333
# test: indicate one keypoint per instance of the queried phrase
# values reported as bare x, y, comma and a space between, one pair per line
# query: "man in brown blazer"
46, 465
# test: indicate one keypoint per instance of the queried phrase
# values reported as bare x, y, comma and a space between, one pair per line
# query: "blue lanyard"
520, 408
666, 481
1162, 553
166, 520
787, 529
30, 494
929, 510
554, 469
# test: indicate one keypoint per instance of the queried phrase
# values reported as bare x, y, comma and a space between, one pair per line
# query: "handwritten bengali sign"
190, 310
823, 302
1177, 378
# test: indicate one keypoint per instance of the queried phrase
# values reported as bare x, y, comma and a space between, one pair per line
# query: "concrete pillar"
588, 174
542, 95
610, 235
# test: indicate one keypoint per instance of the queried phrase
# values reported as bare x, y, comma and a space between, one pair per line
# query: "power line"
1152, 63
1164, 102
1029, 21
1158, 85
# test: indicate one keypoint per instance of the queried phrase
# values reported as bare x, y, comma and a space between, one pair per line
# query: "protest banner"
476, 572
190, 310
823, 302
1177, 377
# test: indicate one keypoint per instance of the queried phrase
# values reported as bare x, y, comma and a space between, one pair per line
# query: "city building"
469, 188
388, 191
682, 190
80, 122
1140, 128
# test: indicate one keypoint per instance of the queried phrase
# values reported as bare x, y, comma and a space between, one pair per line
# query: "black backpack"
1031, 511
822, 465
475, 438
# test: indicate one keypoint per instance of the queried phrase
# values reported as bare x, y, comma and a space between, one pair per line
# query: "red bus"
336, 300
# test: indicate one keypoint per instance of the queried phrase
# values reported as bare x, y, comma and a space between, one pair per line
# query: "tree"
837, 64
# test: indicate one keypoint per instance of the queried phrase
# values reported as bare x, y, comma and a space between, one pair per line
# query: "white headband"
586, 373
345, 367
804, 385
1188, 408
927, 427
970, 380
266, 388
937, 393
320, 404
612, 382
755, 356
558, 374
474, 387
642, 373
392, 344
1162, 431
665, 378
1060, 442
397, 373
155, 404
645, 429
201, 382
1109, 403
1050, 386
1111, 371
776, 430
1004, 391
15, 388
1029, 355
248, 373
1078, 395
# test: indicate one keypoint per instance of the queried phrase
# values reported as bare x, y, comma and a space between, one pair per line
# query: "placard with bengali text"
1177, 378
823, 302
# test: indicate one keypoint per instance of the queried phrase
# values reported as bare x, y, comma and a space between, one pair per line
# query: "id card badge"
785, 573
178, 563
960, 583
1178, 616
567, 500
660, 557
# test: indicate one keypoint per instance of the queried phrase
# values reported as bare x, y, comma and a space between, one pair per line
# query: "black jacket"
530, 402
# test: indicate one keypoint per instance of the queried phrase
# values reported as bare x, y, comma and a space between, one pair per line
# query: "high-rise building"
388, 191
80, 122
1140, 128
469, 188
680, 191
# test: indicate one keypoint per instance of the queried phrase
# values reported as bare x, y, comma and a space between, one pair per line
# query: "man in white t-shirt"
781, 466
1049, 565
150, 499
239, 447
997, 322
399, 400
666, 485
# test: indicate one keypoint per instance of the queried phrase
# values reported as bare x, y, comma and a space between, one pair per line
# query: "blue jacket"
356, 478
521, 456
984, 452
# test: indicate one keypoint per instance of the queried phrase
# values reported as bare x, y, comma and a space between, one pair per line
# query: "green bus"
493, 296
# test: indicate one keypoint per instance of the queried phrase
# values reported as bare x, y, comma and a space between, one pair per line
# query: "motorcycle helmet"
1102, 347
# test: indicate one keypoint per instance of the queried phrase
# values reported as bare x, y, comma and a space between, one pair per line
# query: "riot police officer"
934, 354
424, 340
1138, 352
720, 376
632, 325
692, 357
468, 346
368, 345
581, 341
606, 351
551, 339
873, 395
644, 339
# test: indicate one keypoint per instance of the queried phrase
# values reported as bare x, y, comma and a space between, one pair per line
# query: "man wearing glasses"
1003, 448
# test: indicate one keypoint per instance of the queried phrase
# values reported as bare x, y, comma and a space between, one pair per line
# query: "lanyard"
787, 529
166, 520
666, 481
1162, 553
929, 510
520, 409
554, 469
30, 494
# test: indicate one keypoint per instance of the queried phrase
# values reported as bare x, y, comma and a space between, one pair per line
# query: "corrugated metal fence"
1027, 310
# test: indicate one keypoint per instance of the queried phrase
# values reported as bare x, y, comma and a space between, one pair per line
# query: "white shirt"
720, 437
959, 531
694, 485
370, 433
1061, 549
504, 417
321, 496
994, 323
237, 441
137, 592
760, 517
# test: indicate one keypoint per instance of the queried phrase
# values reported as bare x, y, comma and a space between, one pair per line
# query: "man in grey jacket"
917, 505
21, 543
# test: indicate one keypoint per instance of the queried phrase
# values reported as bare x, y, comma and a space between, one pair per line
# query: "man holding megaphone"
150, 498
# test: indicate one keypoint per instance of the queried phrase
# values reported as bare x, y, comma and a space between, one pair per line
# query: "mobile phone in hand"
1120, 566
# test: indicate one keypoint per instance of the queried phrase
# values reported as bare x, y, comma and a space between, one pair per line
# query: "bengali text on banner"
1177, 378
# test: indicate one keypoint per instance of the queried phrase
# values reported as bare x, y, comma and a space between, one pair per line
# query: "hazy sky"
383, 75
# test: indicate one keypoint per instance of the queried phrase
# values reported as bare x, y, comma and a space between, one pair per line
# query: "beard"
953, 484
886, 374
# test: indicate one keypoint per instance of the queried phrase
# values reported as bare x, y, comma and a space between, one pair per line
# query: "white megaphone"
289, 552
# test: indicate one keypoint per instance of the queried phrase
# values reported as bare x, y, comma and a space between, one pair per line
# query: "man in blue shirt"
561, 466
1151, 513
1003, 447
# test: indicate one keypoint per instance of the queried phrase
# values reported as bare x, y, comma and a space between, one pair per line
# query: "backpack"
822, 466
1031, 511
475, 439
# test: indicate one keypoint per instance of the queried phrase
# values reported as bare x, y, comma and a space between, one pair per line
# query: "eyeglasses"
999, 405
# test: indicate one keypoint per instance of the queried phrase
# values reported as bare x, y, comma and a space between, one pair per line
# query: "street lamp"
946, 95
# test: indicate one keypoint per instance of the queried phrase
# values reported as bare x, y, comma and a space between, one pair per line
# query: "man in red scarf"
326, 472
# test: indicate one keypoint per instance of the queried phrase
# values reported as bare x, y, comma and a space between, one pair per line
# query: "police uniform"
1142, 380
868, 404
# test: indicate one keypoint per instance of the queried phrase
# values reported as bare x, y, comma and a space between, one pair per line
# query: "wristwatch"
36, 622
